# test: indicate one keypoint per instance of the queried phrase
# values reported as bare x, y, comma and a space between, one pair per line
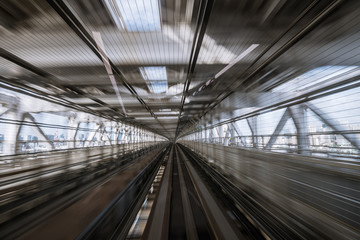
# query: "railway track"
187, 200
187, 207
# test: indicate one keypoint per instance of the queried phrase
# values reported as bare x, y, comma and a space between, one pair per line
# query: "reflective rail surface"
188, 208
315, 197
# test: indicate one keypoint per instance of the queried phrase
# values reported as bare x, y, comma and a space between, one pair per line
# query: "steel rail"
190, 226
159, 218
220, 225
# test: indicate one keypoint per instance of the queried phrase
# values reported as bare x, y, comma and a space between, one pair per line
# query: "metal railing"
320, 144
40, 176
86, 155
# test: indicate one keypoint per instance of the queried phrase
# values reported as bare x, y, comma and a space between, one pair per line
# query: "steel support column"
297, 113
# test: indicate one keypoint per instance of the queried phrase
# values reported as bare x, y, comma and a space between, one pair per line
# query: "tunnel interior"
219, 119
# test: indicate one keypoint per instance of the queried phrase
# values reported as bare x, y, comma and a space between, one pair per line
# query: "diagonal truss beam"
238, 132
29, 116
352, 138
278, 128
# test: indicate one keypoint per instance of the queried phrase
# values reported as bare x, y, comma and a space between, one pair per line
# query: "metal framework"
19, 114
230, 134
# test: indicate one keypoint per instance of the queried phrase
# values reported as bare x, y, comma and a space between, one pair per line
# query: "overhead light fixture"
135, 15
237, 59
144, 118
167, 113
155, 78
168, 118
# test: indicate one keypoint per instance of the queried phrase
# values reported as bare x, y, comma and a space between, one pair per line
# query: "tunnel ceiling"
165, 64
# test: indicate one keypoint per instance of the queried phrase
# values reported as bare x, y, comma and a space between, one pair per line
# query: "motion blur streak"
219, 119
